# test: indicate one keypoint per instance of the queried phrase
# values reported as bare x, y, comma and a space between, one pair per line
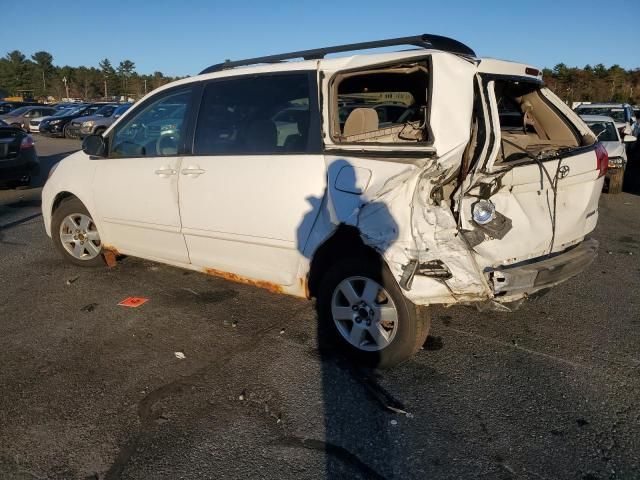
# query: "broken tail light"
602, 158
27, 142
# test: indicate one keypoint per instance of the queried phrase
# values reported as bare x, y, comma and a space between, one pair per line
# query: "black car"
6, 107
57, 125
18, 158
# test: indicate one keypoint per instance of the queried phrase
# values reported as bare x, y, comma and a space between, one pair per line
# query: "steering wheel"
167, 145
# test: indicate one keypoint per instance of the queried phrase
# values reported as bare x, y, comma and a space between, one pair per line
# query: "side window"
267, 114
154, 130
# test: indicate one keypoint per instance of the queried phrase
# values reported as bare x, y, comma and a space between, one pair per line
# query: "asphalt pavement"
93, 390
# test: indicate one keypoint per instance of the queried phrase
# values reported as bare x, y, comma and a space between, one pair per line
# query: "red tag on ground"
133, 302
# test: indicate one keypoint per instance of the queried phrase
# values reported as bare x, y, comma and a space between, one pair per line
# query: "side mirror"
629, 139
94, 145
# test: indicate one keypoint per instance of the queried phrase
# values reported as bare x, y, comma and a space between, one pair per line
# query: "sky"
182, 37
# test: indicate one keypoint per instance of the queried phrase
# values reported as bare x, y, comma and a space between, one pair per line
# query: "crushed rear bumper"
524, 279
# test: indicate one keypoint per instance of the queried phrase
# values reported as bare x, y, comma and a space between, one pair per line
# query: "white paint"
264, 216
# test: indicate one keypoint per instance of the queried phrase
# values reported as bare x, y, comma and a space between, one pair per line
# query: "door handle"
165, 172
193, 171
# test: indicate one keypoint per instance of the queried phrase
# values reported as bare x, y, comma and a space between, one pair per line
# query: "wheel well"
61, 197
344, 243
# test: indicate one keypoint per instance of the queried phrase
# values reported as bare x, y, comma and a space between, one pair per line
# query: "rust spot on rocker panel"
272, 287
109, 254
304, 285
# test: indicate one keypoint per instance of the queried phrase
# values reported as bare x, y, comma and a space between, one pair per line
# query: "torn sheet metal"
400, 219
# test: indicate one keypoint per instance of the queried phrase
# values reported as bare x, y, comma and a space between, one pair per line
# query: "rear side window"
267, 114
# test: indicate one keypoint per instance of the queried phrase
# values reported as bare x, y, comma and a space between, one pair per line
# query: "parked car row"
75, 120
612, 125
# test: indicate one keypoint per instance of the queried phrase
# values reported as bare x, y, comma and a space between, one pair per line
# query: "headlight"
54, 122
616, 162
89, 123
483, 212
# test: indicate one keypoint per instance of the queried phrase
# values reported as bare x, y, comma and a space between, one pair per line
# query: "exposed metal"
272, 287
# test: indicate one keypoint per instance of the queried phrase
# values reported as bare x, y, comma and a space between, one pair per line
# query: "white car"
604, 128
34, 124
484, 195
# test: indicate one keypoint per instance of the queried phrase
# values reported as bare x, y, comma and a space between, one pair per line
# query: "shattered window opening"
382, 106
529, 126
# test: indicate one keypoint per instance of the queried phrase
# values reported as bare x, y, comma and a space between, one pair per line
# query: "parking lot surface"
93, 390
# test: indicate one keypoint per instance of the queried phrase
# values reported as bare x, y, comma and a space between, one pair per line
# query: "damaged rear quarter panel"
394, 214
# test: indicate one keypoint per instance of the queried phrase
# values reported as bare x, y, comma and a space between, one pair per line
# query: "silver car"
101, 120
20, 117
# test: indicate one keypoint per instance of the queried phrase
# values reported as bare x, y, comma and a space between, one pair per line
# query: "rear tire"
355, 324
616, 181
75, 234
65, 132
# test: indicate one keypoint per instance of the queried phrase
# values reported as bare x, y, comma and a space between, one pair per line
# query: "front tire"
75, 234
366, 314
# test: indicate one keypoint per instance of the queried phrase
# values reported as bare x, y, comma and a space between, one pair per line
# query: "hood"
64, 118
614, 149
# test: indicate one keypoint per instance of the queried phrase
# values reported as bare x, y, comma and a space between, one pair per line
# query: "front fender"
73, 175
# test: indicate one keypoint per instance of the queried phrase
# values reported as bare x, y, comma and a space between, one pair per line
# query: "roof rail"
425, 40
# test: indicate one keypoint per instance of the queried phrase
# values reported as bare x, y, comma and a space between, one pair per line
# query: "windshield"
18, 111
105, 111
86, 111
614, 112
67, 111
605, 131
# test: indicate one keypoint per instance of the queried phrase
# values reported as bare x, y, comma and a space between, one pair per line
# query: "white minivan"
375, 183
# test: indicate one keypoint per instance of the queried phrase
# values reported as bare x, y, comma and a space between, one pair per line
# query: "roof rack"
425, 40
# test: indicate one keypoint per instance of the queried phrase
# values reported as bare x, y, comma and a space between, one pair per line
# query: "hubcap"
79, 236
364, 313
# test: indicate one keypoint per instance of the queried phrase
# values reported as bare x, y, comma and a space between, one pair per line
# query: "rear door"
545, 204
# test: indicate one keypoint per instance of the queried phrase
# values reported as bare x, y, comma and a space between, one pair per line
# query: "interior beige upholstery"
361, 120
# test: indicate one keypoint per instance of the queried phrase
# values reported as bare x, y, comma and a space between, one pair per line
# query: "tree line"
40, 78
594, 83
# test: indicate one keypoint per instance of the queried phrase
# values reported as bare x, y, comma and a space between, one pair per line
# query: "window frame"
314, 138
189, 121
